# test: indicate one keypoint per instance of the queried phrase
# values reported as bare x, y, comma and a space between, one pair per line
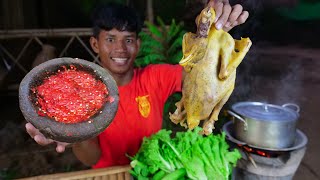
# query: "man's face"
117, 50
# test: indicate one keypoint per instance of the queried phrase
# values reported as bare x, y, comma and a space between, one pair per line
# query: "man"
142, 91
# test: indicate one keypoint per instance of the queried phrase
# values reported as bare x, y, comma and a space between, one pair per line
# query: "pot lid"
264, 111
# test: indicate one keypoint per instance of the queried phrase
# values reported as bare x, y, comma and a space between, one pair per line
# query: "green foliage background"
160, 44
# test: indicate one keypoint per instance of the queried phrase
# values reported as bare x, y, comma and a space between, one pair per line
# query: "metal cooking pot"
265, 125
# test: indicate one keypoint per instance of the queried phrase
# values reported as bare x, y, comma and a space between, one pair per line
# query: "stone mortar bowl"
67, 132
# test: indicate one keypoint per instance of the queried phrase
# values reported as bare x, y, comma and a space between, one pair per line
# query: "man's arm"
88, 152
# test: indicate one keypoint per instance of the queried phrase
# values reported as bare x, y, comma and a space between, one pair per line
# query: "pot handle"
295, 107
239, 118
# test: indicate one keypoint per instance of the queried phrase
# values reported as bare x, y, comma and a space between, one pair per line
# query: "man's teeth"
120, 59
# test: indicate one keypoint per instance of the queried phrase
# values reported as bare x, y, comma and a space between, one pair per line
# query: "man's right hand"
42, 140
88, 151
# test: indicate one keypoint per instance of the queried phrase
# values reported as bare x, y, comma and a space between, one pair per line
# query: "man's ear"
94, 44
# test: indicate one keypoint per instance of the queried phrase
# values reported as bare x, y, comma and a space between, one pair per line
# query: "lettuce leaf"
202, 157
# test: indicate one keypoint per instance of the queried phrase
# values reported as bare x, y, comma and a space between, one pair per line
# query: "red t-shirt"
139, 113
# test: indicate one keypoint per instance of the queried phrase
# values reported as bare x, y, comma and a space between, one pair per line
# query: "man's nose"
120, 46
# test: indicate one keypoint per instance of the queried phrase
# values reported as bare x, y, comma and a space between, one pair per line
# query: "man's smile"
120, 61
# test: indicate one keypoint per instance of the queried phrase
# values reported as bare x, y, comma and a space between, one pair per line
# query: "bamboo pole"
27, 33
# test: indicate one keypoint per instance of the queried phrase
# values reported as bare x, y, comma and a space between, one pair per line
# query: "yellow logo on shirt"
144, 105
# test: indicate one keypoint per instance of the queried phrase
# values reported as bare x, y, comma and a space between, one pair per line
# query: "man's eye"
129, 40
110, 40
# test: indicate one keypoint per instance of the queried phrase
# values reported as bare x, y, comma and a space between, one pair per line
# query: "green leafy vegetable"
175, 175
186, 155
160, 43
159, 175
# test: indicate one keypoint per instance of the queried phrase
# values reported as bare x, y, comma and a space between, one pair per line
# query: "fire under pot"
260, 163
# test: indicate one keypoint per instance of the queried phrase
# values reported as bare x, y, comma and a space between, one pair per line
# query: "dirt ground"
291, 76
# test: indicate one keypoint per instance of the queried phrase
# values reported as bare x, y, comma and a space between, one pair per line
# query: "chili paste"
71, 96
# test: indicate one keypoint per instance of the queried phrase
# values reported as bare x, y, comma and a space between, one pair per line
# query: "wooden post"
150, 15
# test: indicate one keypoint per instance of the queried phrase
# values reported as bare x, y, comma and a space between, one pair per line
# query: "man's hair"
120, 17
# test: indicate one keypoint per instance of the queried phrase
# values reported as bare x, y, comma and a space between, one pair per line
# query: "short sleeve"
166, 79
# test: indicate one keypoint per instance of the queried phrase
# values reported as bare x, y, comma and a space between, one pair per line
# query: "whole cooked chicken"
210, 59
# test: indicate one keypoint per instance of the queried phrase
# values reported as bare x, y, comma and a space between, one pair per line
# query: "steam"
290, 86
275, 79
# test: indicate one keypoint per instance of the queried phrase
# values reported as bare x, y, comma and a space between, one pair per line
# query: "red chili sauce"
71, 96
